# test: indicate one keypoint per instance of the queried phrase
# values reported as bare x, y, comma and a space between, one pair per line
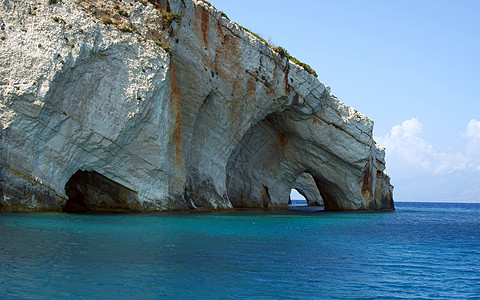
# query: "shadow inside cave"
90, 191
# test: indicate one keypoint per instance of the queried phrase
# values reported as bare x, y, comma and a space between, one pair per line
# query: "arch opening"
297, 199
305, 194
275, 156
90, 191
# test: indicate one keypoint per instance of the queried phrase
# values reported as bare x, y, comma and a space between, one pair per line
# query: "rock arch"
279, 149
306, 186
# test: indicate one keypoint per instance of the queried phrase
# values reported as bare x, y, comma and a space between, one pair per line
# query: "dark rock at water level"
169, 105
91, 191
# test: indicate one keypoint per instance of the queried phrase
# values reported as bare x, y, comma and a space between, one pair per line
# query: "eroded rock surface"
194, 113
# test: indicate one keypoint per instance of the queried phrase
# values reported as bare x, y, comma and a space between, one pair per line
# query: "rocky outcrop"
177, 112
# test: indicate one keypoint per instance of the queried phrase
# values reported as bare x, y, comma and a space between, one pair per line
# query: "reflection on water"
421, 250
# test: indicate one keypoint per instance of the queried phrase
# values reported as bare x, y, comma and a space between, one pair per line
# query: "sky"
413, 67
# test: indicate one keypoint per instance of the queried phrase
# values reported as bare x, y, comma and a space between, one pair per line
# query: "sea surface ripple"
420, 251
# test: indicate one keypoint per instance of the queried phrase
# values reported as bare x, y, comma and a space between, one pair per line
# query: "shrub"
125, 29
122, 13
169, 17
57, 19
164, 47
116, 6
284, 53
224, 15
51, 2
107, 21
2, 38
304, 65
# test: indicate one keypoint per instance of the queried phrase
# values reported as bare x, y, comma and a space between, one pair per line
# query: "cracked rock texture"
162, 113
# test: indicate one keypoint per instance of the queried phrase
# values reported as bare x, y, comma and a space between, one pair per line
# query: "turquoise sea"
420, 251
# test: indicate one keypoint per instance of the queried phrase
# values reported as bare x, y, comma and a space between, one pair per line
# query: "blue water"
422, 250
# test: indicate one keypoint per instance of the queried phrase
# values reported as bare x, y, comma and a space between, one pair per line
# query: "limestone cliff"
168, 105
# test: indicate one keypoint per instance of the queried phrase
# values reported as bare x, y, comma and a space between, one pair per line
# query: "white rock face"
223, 121
87, 97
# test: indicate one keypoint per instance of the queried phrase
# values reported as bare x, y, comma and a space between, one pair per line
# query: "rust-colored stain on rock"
283, 142
285, 78
227, 64
205, 17
251, 87
367, 183
176, 110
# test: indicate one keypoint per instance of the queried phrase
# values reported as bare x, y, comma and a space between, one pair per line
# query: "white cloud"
411, 160
406, 148
445, 163
473, 135
473, 146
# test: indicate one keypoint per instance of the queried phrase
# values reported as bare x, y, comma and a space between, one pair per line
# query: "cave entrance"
299, 202
305, 194
89, 191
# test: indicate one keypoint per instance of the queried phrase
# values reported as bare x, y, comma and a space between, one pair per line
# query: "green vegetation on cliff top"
283, 52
